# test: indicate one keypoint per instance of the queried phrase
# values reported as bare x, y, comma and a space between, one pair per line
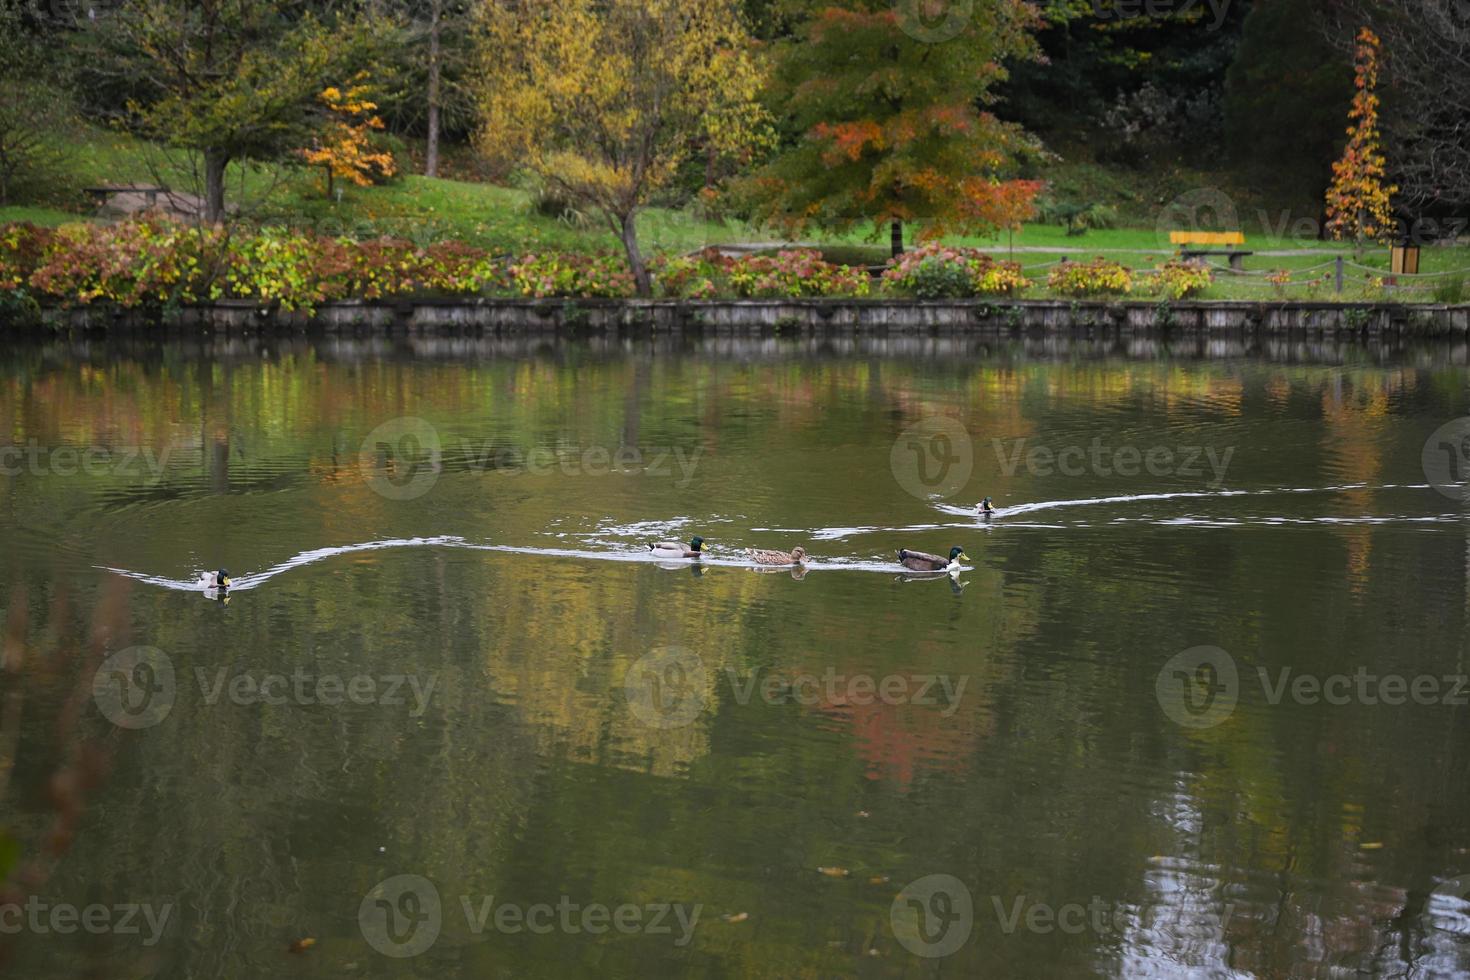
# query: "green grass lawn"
504, 219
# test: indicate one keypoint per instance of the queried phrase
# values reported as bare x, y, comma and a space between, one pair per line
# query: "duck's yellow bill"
226, 580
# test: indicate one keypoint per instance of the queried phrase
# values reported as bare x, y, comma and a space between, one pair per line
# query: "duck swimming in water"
214, 580
920, 561
793, 557
673, 549
985, 507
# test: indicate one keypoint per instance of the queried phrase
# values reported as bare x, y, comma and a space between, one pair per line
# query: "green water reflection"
472, 672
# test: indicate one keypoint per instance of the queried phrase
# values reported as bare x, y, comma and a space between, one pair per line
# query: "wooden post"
1339, 274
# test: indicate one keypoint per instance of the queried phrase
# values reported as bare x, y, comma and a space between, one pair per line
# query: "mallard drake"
214, 580
793, 557
985, 507
673, 549
920, 561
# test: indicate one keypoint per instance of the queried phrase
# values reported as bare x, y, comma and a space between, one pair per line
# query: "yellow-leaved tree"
344, 147
604, 99
1358, 199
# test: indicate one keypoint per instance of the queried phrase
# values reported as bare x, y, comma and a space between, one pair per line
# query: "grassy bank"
506, 220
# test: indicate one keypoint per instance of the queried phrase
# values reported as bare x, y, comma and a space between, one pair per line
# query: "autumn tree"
1358, 199
883, 107
604, 99
344, 148
224, 79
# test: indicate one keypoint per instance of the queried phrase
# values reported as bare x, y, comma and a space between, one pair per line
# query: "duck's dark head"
696, 543
957, 553
222, 579
986, 504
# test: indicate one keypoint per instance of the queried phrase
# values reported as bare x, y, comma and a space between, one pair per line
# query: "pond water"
1192, 706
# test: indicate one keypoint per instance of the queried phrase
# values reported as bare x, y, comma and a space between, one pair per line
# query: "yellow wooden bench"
1186, 239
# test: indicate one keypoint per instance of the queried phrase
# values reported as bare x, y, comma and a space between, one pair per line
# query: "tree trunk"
215, 162
431, 149
897, 239
641, 282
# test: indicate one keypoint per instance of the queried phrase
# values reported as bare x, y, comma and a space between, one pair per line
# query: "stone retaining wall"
872, 316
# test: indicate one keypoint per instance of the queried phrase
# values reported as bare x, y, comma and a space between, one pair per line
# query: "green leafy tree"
1284, 102
31, 107
884, 108
226, 79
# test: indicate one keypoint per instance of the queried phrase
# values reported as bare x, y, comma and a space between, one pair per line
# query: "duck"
920, 561
674, 549
795, 556
985, 507
214, 580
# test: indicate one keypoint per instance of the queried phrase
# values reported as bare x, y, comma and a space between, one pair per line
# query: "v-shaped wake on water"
610, 548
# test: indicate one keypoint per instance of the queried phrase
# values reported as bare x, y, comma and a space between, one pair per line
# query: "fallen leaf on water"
737, 917
1371, 845
878, 880
863, 813
834, 872
302, 945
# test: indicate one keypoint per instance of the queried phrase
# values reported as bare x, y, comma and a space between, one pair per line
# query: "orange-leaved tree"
344, 148
1358, 198
883, 106
604, 99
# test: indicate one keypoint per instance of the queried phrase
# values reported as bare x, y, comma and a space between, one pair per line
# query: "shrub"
939, 272
21, 248
1176, 279
792, 274
1100, 277
150, 262
699, 276
571, 275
